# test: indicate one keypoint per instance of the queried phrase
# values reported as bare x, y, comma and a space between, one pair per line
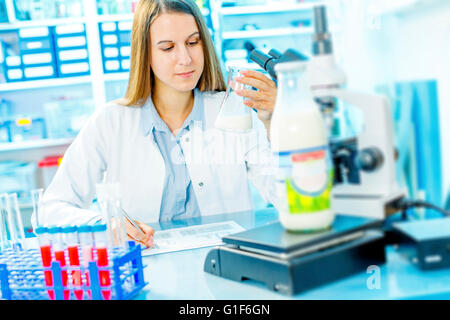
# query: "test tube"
87, 252
16, 229
116, 206
58, 249
101, 246
4, 242
36, 197
71, 240
104, 204
45, 245
109, 200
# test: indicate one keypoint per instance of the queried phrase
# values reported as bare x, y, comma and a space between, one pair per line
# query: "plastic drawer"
125, 51
33, 40
39, 72
14, 74
72, 55
70, 29
72, 41
74, 69
35, 45
111, 65
125, 38
41, 58
125, 64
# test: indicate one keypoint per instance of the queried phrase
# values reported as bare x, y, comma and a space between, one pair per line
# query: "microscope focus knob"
369, 159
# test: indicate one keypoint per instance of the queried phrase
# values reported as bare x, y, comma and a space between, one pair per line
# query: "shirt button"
186, 139
201, 184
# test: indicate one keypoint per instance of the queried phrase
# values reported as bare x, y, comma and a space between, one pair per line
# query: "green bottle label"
307, 178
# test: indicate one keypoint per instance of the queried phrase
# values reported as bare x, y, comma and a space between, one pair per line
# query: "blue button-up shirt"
178, 200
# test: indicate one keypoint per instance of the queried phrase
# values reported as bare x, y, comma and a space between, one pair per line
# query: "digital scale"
290, 263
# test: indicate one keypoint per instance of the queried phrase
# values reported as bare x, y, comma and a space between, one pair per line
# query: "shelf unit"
97, 80
32, 150
267, 8
265, 33
239, 19
46, 83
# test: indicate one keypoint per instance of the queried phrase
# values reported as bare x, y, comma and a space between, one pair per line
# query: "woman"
159, 141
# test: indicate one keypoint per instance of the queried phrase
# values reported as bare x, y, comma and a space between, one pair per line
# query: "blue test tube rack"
32, 287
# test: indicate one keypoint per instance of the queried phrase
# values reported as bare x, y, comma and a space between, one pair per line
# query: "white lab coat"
112, 147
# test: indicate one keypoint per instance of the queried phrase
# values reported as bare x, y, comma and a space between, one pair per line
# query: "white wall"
422, 51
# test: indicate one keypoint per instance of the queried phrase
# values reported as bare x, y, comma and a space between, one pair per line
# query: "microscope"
364, 165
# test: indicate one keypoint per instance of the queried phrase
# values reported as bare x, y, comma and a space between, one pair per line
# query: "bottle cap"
41, 230
98, 227
69, 229
54, 229
84, 228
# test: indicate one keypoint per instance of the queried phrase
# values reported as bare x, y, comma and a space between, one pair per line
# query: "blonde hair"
140, 80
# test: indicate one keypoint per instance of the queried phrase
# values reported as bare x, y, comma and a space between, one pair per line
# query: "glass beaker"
233, 114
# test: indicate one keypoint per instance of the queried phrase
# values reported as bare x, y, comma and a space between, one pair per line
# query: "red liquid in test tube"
87, 252
59, 256
71, 241
77, 281
46, 255
104, 275
58, 248
88, 256
101, 244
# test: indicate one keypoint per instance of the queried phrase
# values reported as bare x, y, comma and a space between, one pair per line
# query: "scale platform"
290, 263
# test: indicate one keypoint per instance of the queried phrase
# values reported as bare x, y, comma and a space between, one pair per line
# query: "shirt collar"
150, 118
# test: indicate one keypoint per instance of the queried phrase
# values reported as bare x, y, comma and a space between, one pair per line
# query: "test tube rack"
22, 276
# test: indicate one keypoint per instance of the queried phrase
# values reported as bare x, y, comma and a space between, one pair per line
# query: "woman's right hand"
145, 237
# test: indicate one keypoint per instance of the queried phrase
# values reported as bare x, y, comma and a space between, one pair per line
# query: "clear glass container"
233, 114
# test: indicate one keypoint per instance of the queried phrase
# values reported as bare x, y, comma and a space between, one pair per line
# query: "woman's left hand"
264, 98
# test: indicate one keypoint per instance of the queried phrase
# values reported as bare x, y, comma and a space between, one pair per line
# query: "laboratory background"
60, 60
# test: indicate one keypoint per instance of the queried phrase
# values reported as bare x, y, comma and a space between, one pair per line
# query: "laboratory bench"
181, 275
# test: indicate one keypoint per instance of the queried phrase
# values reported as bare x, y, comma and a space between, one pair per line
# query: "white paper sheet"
191, 237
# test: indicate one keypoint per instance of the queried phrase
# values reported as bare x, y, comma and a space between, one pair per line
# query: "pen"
134, 224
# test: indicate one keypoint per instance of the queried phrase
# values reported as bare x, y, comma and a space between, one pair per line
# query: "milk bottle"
300, 147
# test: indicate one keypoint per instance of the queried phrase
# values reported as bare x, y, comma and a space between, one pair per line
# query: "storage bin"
18, 177
47, 168
25, 129
35, 58
65, 118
